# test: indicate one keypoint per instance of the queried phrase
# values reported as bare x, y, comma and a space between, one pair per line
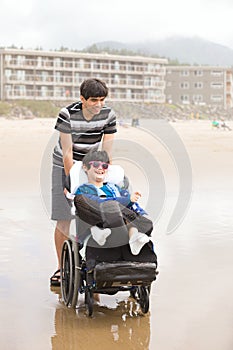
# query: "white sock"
137, 241
100, 234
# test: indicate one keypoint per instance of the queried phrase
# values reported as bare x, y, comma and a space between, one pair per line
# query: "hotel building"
202, 85
57, 75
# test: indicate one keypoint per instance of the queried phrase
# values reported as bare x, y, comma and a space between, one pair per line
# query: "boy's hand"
135, 196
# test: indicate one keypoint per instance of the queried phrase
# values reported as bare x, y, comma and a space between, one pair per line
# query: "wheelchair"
108, 276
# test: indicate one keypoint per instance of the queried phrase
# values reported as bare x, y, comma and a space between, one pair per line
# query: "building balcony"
60, 95
84, 67
39, 80
14, 64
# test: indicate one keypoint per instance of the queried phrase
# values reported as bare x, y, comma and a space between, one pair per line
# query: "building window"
151, 67
198, 73
44, 76
57, 62
58, 78
21, 75
197, 98
80, 64
184, 98
147, 81
20, 60
8, 58
128, 93
76, 78
8, 91
184, 73
184, 85
44, 90
116, 65
20, 90
216, 98
151, 94
216, 85
116, 79
198, 85
216, 73
39, 61
8, 73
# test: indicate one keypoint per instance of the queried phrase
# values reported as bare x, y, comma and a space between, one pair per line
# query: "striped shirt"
86, 135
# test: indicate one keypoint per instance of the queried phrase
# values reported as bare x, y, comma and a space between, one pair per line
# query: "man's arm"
66, 144
107, 144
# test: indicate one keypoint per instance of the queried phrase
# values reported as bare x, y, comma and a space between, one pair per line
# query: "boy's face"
96, 172
93, 104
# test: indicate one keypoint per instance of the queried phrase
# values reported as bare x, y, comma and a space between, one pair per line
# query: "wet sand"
191, 305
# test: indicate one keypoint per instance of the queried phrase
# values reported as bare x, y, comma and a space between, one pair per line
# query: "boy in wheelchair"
113, 217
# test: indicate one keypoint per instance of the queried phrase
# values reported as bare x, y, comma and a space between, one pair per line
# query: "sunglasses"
97, 164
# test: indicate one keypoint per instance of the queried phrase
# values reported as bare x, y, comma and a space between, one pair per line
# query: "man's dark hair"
93, 88
101, 156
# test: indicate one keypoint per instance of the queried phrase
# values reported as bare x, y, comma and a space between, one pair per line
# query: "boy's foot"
137, 241
100, 235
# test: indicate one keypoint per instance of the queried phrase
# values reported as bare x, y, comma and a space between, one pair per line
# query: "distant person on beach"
215, 124
220, 124
82, 127
94, 198
135, 122
224, 126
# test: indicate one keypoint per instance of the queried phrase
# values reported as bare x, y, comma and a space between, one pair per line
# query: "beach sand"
191, 302
23, 144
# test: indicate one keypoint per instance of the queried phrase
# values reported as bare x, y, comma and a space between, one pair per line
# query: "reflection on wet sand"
110, 328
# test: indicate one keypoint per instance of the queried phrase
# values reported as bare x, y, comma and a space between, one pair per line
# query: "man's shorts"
61, 206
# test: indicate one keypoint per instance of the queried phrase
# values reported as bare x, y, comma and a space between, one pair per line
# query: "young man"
95, 198
82, 126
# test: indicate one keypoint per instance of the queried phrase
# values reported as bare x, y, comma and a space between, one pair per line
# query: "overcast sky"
77, 24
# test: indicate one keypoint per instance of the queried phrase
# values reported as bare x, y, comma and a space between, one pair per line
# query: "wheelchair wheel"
77, 275
67, 272
133, 293
143, 294
89, 302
